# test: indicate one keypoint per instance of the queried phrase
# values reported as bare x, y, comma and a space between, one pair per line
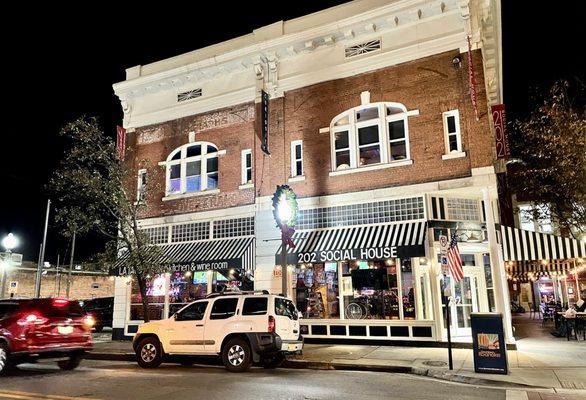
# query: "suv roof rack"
236, 293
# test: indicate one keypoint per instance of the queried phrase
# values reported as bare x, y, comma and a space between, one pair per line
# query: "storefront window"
316, 290
156, 298
408, 289
489, 284
185, 288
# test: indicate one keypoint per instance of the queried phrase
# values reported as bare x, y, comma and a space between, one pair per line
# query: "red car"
35, 329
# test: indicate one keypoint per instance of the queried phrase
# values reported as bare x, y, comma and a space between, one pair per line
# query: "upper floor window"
452, 137
370, 134
141, 186
246, 166
297, 158
192, 168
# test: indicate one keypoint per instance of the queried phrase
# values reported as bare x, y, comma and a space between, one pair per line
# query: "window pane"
451, 124
213, 180
394, 110
398, 151
212, 149
408, 289
341, 139
345, 120
299, 168
224, 308
342, 159
396, 129
316, 290
369, 155
255, 306
248, 160
366, 114
176, 156
248, 175
193, 183
193, 151
193, 168
175, 185
175, 171
368, 135
212, 164
194, 312
453, 140
297, 151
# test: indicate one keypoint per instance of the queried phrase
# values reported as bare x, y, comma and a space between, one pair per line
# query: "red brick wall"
431, 85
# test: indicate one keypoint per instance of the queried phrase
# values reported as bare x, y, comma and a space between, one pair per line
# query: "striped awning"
357, 243
525, 270
522, 245
202, 256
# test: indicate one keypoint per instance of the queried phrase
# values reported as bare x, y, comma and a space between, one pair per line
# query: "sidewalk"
541, 361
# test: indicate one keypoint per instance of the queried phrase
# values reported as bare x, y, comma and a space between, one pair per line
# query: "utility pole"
70, 265
42, 255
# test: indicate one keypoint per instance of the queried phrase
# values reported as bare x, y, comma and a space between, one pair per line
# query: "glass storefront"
155, 291
365, 289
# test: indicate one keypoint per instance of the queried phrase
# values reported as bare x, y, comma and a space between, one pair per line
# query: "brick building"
371, 123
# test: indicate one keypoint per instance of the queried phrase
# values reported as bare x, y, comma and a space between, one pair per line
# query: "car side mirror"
176, 317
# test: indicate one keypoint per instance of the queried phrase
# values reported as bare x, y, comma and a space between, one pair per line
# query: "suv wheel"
4, 362
71, 364
149, 353
236, 355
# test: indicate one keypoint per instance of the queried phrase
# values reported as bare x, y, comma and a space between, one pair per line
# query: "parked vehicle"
102, 309
239, 327
36, 329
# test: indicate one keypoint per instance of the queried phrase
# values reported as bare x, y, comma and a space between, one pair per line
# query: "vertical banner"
264, 117
472, 80
488, 343
499, 121
120, 142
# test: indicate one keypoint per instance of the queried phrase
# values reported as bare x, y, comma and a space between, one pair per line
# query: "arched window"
192, 168
369, 134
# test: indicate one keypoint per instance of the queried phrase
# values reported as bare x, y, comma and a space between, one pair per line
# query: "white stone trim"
374, 167
299, 178
246, 186
451, 156
190, 194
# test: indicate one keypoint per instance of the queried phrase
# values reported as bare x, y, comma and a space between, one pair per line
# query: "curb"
470, 380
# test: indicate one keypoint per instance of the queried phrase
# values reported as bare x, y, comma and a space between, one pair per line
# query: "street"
123, 380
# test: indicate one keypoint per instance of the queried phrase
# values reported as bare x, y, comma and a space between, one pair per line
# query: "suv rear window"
49, 308
7, 309
286, 308
255, 306
224, 308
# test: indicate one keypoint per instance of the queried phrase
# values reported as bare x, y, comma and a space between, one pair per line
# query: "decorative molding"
375, 167
192, 194
451, 156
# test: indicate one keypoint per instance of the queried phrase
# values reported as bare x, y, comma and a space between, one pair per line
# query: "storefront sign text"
350, 254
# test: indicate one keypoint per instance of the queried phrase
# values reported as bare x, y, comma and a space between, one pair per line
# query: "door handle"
199, 325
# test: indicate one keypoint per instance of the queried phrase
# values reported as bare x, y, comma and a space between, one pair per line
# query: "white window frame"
459, 151
140, 194
384, 139
244, 168
182, 162
294, 159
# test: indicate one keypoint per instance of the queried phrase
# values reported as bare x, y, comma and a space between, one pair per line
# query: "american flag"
454, 260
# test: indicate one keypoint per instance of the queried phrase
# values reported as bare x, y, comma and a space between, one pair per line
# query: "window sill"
375, 167
192, 194
454, 155
298, 178
246, 186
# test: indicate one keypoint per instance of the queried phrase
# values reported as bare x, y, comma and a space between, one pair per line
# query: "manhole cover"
435, 363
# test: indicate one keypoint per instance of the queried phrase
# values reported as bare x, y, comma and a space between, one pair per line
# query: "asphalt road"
121, 380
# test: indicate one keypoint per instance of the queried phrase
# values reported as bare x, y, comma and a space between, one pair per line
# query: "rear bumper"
270, 343
55, 352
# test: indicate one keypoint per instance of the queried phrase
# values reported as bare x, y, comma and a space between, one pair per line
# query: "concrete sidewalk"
540, 361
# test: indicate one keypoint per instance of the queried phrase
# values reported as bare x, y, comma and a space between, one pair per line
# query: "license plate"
293, 347
65, 330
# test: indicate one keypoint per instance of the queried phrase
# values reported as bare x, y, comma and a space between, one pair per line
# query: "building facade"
372, 123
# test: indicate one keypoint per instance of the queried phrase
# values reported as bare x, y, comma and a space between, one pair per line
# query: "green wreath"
291, 198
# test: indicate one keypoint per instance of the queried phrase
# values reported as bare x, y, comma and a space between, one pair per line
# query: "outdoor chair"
547, 314
534, 310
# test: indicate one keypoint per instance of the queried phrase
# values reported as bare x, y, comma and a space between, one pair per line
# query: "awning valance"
401, 240
202, 256
526, 270
522, 245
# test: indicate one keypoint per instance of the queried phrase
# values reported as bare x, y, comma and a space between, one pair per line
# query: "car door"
185, 333
221, 322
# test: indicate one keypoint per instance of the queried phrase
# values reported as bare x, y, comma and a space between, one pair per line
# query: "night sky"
62, 60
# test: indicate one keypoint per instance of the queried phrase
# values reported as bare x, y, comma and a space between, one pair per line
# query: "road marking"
517, 395
13, 394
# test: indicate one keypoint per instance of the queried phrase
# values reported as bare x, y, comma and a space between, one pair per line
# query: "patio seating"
534, 310
547, 314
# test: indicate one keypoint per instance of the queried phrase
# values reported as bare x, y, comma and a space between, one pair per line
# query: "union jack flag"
454, 260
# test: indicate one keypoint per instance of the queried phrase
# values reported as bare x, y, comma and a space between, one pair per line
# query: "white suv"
240, 327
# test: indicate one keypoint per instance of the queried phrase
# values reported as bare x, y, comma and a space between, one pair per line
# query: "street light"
284, 209
9, 242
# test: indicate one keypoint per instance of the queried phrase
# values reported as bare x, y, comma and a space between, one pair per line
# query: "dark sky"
61, 62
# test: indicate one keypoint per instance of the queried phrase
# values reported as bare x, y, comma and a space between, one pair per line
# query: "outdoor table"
580, 316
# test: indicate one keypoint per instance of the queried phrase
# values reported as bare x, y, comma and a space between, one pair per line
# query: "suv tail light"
32, 319
272, 324
59, 302
88, 321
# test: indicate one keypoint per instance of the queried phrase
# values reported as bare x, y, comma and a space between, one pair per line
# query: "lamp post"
285, 214
9, 242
